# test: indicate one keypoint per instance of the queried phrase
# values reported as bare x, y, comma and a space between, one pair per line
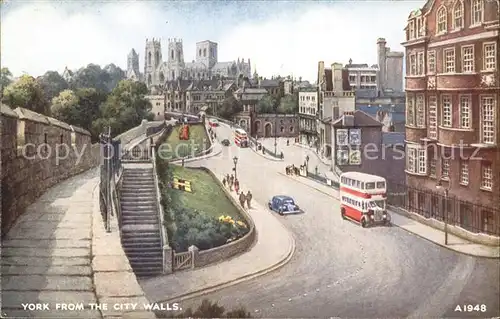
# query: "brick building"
308, 112
452, 122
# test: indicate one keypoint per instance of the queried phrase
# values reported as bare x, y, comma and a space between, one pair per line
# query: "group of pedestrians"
230, 181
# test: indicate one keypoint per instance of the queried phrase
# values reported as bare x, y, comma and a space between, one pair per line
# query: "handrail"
164, 238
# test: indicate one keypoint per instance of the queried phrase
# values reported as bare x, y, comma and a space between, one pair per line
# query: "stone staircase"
141, 239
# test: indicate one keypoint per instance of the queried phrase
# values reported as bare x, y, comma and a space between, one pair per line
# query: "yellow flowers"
229, 220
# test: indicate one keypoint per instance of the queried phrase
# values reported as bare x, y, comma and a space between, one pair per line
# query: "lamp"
235, 161
439, 187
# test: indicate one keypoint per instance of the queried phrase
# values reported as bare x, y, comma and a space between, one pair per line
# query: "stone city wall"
37, 153
205, 257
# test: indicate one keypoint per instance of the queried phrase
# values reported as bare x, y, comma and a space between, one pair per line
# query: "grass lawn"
174, 148
207, 195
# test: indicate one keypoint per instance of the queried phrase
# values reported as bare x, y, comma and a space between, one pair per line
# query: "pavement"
274, 246
429, 233
58, 252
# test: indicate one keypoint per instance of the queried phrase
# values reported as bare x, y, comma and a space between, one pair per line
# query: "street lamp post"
307, 163
275, 128
439, 186
235, 161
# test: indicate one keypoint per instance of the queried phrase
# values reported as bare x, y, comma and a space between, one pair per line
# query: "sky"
280, 37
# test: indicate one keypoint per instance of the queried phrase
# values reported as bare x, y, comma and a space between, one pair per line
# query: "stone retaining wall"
205, 257
38, 152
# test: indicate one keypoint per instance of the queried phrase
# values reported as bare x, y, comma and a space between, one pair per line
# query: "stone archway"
256, 127
268, 128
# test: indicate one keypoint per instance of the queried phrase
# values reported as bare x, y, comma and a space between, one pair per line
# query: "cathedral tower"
206, 53
133, 66
152, 61
175, 59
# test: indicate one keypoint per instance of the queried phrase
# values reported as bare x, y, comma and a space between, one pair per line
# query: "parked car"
225, 142
213, 122
283, 205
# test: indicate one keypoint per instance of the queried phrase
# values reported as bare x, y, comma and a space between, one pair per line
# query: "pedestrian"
242, 199
224, 181
231, 179
287, 142
281, 155
227, 178
249, 199
236, 186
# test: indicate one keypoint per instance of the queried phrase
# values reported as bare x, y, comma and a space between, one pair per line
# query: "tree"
52, 84
125, 107
229, 108
266, 104
115, 76
92, 76
208, 309
5, 78
65, 107
26, 92
289, 104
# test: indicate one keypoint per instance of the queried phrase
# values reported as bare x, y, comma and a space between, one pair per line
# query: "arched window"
199, 52
282, 129
458, 15
149, 79
173, 75
157, 58
162, 78
172, 54
291, 129
477, 12
442, 20
204, 52
149, 58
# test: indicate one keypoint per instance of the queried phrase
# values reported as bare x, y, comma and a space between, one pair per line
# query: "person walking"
242, 199
236, 186
224, 182
249, 199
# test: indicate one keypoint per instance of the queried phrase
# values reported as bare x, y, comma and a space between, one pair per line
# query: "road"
340, 269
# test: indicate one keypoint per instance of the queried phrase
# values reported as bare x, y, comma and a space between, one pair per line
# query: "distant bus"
363, 198
240, 137
213, 122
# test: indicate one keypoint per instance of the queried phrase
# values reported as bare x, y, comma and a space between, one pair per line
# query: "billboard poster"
355, 136
355, 157
342, 157
342, 137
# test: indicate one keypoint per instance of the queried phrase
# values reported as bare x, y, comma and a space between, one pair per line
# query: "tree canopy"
266, 104
93, 76
289, 104
52, 84
26, 92
5, 78
229, 108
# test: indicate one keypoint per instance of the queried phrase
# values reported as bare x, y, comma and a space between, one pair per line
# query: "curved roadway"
342, 270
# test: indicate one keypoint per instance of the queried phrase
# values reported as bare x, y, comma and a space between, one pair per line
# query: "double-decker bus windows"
380, 185
370, 185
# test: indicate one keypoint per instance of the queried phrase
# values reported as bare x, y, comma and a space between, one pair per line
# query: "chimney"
337, 80
348, 119
321, 71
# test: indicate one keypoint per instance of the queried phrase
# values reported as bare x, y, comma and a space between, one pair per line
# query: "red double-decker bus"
363, 198
240, 138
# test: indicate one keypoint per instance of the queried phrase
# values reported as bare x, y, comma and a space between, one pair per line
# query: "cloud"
293, 45
40, 36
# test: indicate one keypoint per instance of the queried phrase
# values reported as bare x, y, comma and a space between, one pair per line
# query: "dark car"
225, 142
283, 205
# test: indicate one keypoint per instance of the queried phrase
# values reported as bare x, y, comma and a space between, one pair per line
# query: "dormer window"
458, 15
442, 23
477, 12
420, 28
411, 30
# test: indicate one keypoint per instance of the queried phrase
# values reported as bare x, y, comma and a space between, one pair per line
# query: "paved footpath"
273, 248
455, 243
58, 252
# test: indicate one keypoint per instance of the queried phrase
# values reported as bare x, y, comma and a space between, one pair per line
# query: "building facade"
205, 66
452, 123
279, 125
308, 112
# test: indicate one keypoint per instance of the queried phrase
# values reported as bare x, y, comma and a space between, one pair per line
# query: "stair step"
141, 235
139, 197
139, 245
138, 200
139, 222
146, 270
151, 250
139, 217
145, 259
137, 190
139, 206
144, 241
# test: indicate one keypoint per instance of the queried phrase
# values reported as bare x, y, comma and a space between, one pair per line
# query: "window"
441, 20
420, 63
420, 28
468, 59
464, 173
431, 61
446, 111
445, 169
458, 15
411, 33
416, 159
420, 110
432, 104
489, 56
432, 167
488, 119
486, 176
410, 115
282, 129
477, 12
413, 64
465, 110
449, 60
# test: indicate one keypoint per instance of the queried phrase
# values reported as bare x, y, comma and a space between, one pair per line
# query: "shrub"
208, 309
